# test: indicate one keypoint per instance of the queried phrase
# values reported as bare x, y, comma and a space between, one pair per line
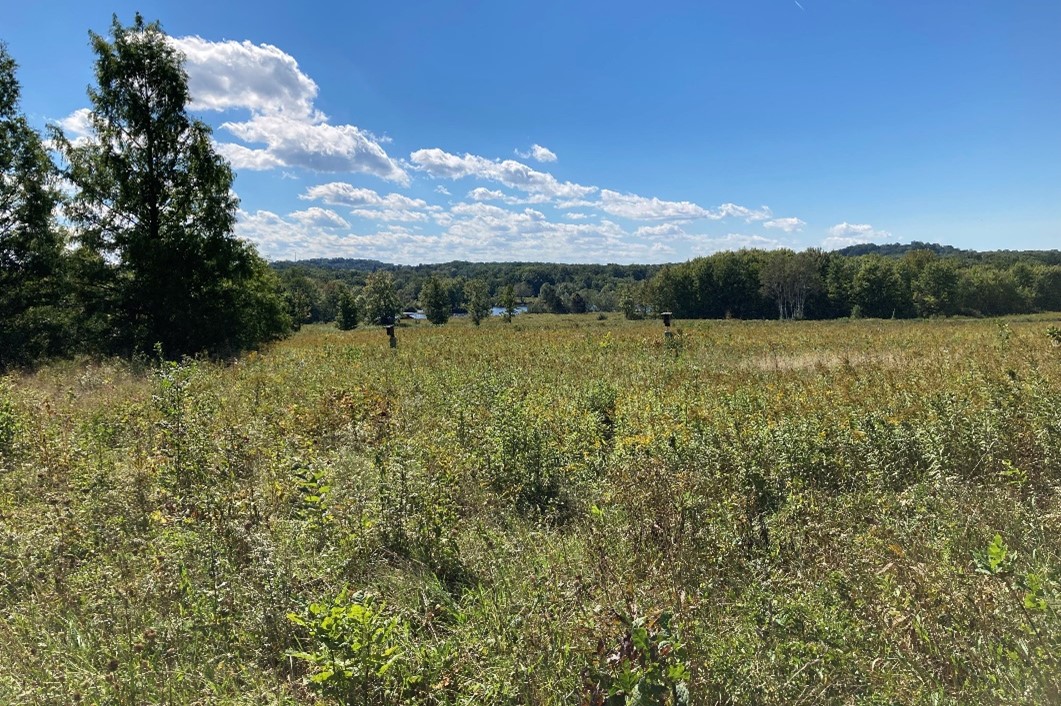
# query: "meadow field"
557, 510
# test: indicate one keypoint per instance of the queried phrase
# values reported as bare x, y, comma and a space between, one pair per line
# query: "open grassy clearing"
549, 511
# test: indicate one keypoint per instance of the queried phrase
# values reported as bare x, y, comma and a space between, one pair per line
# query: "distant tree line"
135, 254
313, 287
901, 281
817, 285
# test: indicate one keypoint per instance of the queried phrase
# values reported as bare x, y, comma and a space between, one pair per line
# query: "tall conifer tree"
31, 247
155, 211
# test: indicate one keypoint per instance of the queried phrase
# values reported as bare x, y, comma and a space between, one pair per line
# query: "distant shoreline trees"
899, 281
436, 302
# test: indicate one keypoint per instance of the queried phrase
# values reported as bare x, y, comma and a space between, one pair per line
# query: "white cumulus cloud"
641, 208
320, 147
284, 128
370, 205
788, 225
481, 193
78, 124
339, 193
320, 217
732, 210
256, 77
663, 230
538, 154
241, 157
389, 215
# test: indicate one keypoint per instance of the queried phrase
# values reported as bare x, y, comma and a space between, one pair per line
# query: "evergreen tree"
435, 299
31, 247
154, 212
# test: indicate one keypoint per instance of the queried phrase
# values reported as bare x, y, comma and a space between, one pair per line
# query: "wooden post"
391, 336
667, 333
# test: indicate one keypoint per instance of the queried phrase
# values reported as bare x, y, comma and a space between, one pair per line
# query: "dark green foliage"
632, 301
902, 281
818, 285
31, 246
299, 296
309, 299
154, 213
933, 284
347, 318
878, 289
379, 301
898, 249
551, 300
477, 298
508, 301
435, 300
790, 278
990, 291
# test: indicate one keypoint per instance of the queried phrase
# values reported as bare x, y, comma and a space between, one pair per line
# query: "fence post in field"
667, 333
391, 336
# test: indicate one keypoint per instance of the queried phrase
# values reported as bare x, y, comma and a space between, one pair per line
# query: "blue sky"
603, 132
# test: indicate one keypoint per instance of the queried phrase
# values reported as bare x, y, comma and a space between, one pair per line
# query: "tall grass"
560, 510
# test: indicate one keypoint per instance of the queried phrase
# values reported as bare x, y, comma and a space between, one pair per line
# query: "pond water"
419, 314
500, 311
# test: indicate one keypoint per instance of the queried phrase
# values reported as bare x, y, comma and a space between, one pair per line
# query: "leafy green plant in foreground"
354, 650
647, 666
1036, 644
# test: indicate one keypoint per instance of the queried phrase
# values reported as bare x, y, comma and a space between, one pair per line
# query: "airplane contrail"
799, 6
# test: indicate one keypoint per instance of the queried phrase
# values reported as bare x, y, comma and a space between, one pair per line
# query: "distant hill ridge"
343, 264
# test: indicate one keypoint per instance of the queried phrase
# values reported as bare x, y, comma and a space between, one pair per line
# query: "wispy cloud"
370, 205
515, 175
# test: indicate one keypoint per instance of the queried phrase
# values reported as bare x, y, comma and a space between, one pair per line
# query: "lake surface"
419, 314
500, 310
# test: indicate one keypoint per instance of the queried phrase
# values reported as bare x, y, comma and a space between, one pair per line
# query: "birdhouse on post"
667, 333
666, 318
390, 334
